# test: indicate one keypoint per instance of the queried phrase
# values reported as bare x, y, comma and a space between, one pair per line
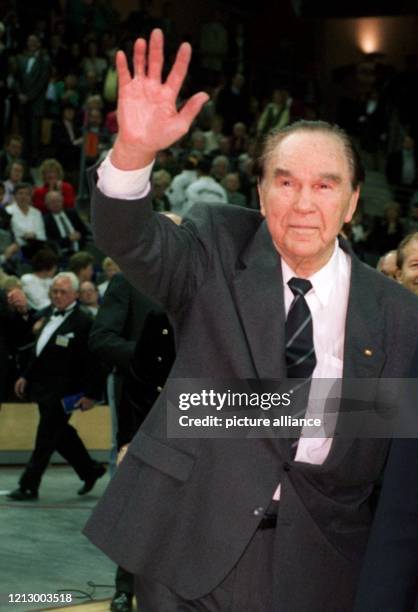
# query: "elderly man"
64, 228
246, 524
61, 366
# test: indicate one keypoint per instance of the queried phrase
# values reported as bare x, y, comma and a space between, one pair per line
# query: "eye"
324, 186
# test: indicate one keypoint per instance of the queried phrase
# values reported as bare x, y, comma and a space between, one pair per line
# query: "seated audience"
64, 228
52, 175
203, 189
14, 175
27, 223
89, 298
81, 264
176, 192
37, 284
110, 268
220, 167
160, 181
231, 184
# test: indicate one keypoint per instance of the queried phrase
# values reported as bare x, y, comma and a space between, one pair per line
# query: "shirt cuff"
123, 184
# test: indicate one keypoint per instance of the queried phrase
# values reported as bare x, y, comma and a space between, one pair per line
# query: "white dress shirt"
50, 328
22, 223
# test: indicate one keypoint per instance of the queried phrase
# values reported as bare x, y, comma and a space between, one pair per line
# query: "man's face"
89, 296
306, 196
54, 203
62, 293
408, 275
16, 173
14, 148
33, 44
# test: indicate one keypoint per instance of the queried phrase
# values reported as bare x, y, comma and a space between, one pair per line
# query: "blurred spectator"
110, 268
37, 284
81, 264
197, 143
97, 138
213, 136
232, 187
401, 171
14, 175
89, 298
176, 192
213, 45
203, 189
12, 152
67, 139
52, 175
387, 265
275, 114
407, 262
67, 91
27, 223
389, 231
110, 82
239, 139
233, 103
93, 62
411, 224
64, 228
220, 167
59, 55
160, 181
32, 79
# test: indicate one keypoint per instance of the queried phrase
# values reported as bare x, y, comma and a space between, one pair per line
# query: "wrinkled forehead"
309, 152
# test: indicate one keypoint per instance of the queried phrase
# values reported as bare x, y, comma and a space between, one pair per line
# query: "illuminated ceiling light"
369, 37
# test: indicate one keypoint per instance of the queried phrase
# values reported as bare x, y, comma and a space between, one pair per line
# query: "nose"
303, 202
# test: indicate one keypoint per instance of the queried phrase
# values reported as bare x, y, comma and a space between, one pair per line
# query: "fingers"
179, 70
192, 108
156, 55
124, 76
139, 57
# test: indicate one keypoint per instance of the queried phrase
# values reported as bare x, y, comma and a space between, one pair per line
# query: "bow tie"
61, 313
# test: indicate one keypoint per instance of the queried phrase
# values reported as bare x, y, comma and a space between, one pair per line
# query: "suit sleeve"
107, 339
166, 262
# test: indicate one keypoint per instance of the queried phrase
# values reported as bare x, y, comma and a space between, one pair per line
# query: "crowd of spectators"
58, 89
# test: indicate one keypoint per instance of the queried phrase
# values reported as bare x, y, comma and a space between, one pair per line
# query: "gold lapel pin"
368, 352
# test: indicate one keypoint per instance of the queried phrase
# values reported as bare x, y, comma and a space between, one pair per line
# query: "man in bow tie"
247, 524
61, 366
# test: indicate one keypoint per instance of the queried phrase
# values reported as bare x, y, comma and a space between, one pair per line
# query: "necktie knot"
299, 286
58, 313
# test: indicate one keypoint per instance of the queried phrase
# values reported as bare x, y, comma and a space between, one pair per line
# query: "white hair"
75, 284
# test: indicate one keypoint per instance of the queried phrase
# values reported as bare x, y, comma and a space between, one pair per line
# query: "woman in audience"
52, 175
36, 284
14, 175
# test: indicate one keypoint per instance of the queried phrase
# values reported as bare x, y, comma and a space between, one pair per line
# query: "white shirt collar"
323, 280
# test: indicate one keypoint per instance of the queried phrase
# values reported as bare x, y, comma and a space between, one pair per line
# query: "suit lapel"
259, 300
61, 329
364, 357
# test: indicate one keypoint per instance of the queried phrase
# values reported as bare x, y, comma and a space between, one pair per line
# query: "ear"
261, 199
399, 276
354, 198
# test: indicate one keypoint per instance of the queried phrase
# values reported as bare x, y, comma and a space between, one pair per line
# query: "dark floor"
42, 548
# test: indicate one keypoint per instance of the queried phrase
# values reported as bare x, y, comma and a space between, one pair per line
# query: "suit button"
159, 359
258, 511
159, 389
165, 332
286, 466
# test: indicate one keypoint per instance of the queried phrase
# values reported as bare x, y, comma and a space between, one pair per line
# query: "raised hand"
148, 119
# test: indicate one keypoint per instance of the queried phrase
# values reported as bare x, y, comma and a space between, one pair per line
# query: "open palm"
147, 114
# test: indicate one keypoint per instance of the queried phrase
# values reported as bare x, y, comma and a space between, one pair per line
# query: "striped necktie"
300, 351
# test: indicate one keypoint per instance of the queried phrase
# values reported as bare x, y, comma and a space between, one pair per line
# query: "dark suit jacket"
389, 577
182, 511
34, 83
65, 367
119, 323
53, 234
